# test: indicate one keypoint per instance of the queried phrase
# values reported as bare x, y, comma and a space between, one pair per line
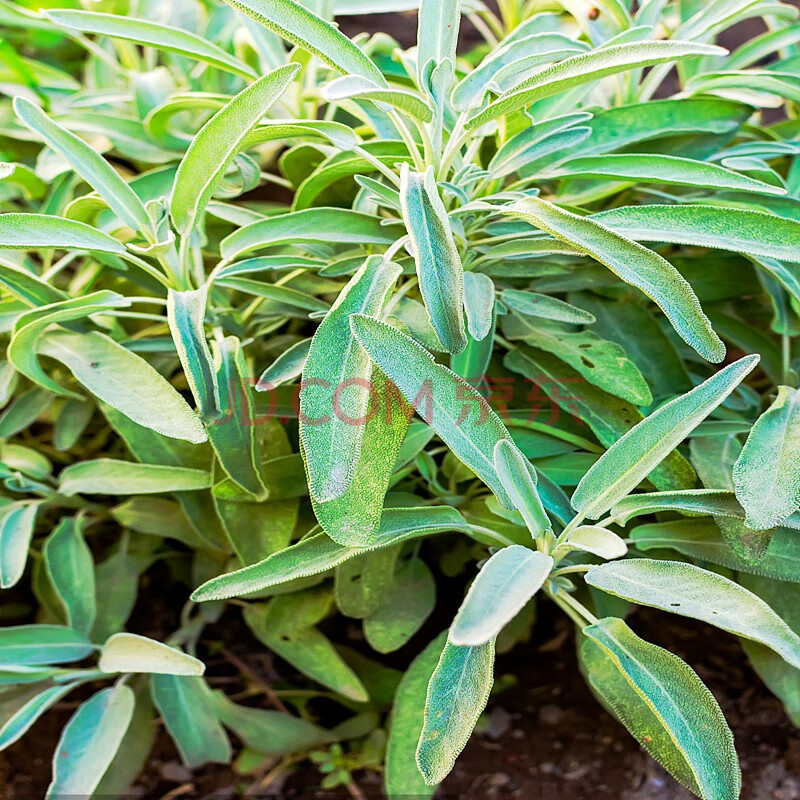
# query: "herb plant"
240, 250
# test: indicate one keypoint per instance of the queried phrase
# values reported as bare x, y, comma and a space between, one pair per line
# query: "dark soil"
545, 737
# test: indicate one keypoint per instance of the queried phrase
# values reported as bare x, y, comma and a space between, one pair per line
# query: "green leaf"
628, 462
73, 419
518, 477
26, 705
286, 367
588, 67
479, 304
331, 225
295, 23
441, 276
269, 732
674, 170
187, 709
457, 694
402, 776
91, 166
608, 417
694, 592
353, 518
739, 230
158, 517
129, 652
17, 521
40, 231
281, 626
690, 501
280, 294
437, 35
779, 677
318, 553
503, 586
535, 304
598, 541
406, 603
355, 87
90, 741
632, 263
361, 582
186, 312
700, 539
117, 582
124, 380
621, 126
43, 644
233, 434
31, 325
766, 474
330, 177
665, 706
338, 397
446, 397
24, 285
218, 142
603, 363
110, 476
142, 32
714, 458
70, 567
544, 47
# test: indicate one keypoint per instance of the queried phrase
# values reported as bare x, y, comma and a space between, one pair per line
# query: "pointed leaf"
129, 652
311, 225
643, 168
441, 276
739, 230
110, 476
535, 304
186, 312
70, 567
30, 326
91, 166
628, 462
233, 434
634, 264
17, 521
337, 397
503, 586
151, 34
694, 592
14, 727
402, 776
518, 477
124, 380
318, 553
90, 741
295, 23
218, 141
665, 706
766, 474
186, 706
588, 67
446, 396
457, 694
31, 231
